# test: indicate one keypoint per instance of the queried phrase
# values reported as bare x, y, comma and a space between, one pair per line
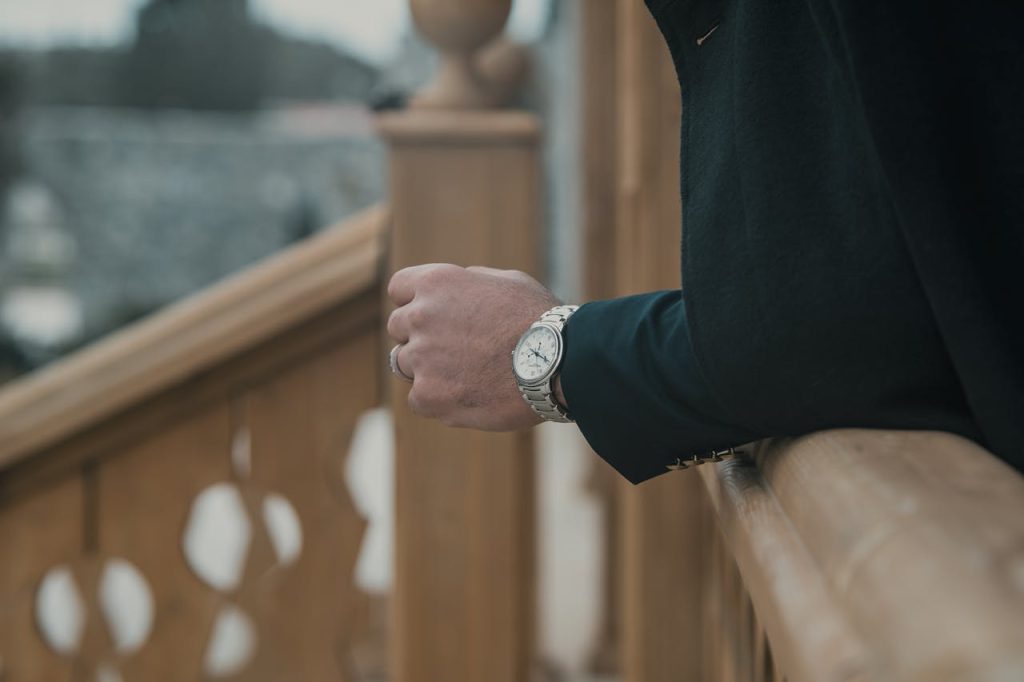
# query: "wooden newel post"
464, 190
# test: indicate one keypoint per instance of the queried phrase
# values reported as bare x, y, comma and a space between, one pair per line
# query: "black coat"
853, 196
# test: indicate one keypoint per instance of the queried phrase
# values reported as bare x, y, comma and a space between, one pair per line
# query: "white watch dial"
537, 353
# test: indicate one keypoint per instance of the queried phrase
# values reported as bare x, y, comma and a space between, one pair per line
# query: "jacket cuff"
632, 384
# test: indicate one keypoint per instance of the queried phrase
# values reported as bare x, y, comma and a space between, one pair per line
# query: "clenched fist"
457, 328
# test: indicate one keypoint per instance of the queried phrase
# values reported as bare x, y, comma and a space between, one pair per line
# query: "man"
852, 194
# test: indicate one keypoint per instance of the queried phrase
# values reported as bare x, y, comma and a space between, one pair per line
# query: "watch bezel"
546, 377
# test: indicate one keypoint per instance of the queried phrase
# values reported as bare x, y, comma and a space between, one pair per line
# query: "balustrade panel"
199, 526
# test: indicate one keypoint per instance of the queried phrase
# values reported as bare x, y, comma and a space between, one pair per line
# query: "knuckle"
422, 402
429, 272
525, 278
416, 317
440, 275
415, 400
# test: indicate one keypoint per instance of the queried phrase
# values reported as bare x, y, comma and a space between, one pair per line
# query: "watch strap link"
542, 401
559, 315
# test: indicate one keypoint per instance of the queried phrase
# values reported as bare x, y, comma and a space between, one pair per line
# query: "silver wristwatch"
537, 360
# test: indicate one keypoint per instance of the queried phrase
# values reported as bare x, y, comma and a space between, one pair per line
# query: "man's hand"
458, 327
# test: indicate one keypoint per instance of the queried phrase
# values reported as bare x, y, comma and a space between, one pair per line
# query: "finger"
402, 287
398, 325
403, 284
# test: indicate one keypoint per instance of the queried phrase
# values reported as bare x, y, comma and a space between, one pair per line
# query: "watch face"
536, 354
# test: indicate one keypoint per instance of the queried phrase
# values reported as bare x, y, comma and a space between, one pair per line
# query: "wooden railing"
865, 555
172, 500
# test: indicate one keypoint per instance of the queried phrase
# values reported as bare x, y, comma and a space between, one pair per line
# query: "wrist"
556, 386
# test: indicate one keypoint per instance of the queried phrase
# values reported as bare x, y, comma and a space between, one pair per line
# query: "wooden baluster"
662, 580
464, 189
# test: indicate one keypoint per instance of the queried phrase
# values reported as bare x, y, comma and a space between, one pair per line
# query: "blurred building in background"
205, 142
164, 203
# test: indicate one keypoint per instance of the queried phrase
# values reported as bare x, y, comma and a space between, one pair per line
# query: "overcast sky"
370, 28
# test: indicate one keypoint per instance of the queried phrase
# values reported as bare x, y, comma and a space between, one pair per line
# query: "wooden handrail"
191, 336
880, 555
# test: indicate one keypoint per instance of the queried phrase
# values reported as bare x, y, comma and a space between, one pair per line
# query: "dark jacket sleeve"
864, 179
634, 388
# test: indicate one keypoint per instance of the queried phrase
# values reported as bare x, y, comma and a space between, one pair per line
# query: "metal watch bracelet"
541, 399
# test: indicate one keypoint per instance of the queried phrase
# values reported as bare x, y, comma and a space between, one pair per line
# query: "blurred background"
149, 148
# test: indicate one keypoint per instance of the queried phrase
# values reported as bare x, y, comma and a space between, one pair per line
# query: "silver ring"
393, 362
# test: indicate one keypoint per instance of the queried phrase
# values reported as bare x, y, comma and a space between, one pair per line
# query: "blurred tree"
196, 54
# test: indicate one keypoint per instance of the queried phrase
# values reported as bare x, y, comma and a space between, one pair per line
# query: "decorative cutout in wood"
60, 611
218, 545
232, 644
127, 606
370, 477
96, 611
217, 537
